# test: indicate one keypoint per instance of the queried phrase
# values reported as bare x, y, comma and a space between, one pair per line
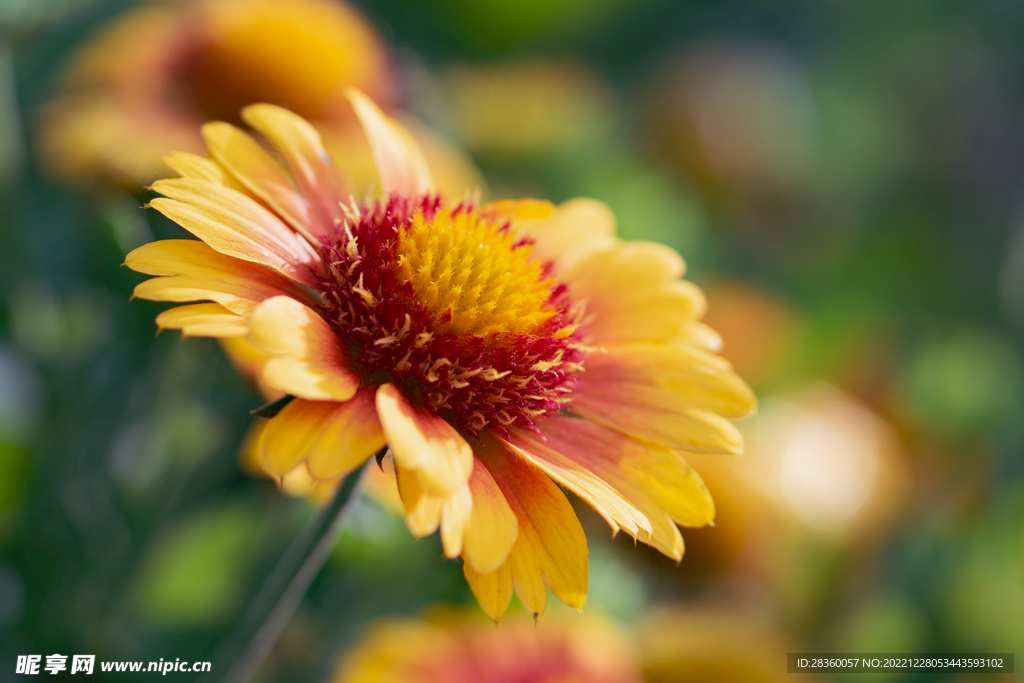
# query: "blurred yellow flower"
145, 84
455, 334
454, 650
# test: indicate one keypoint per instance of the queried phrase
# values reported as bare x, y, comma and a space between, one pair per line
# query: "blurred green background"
844, 179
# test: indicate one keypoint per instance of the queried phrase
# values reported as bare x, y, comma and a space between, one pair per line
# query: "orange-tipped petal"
203, 320
492, 528
235, 224
261, 175
424, 443
634, 468
303, 149
400, 162
307, 358
190, 270
551, 544
654, 479
493, 590
331, 438
596, 492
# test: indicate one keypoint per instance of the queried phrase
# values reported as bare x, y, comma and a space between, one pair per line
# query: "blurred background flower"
843, 179
453, 648
143, 85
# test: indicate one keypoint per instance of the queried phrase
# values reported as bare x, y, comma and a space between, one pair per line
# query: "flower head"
500, 351
146, 83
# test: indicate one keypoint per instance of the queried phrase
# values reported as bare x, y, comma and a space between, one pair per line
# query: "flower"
142, 87
500, 351
450, 649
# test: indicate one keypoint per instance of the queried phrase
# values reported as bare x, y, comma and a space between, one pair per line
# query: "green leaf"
194, 573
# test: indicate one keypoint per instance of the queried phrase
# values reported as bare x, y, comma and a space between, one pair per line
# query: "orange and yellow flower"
450, 649
145, 84
500, 351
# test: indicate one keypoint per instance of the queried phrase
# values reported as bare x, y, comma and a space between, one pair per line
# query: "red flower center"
450, 305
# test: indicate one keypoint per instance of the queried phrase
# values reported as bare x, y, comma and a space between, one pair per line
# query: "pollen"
474, 277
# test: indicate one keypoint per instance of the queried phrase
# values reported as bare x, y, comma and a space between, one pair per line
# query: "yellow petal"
261, 175
665, 536
633, 294
701, 336
307, 357
203, 320
656, 480
235, 224
422, 510
493, 590
492, 528
331, 438
528, 575
657, 314
403, 169
455, 512
596, 492
189, 165
525, 209
193, 271
660, 420
551, 543
250, 459
424, 443
667, 375
571, 232
301, 146
350, 435
248, 360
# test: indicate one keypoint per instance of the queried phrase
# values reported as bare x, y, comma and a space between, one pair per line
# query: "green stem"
241, 656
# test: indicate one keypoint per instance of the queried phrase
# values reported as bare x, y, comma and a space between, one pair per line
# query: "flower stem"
241, 655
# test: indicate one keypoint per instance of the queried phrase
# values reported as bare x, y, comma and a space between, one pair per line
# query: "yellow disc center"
472, 276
